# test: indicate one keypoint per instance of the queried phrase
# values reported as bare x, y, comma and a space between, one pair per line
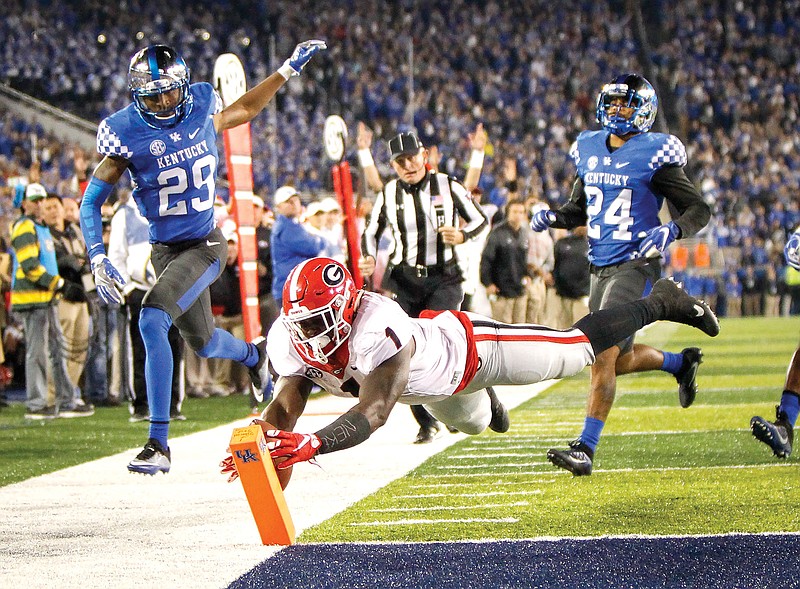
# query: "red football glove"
295, 447
229, 468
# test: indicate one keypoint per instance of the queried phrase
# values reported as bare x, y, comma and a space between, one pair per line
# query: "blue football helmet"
637, 93
156, 70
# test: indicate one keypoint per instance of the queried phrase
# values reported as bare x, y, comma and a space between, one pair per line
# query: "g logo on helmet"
332, 275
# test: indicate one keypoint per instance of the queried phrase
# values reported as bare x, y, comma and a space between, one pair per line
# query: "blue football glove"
542, 220
302, 55
108, 280
792, 251
656, 241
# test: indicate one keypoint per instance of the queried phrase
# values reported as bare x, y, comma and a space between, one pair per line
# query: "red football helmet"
318, 303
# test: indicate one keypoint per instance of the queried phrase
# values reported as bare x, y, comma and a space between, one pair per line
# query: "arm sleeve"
573, 213
375, 226
672, 183
467, 210
91, 221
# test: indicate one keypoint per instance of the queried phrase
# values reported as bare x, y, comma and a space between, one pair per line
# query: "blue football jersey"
174, 170
619, 200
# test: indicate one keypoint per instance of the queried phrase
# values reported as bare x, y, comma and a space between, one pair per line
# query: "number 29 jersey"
174, 169
620, 202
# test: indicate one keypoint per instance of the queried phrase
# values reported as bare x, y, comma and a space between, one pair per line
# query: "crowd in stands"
728, 77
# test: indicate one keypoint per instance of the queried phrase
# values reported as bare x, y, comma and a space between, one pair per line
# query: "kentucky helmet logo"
332, 275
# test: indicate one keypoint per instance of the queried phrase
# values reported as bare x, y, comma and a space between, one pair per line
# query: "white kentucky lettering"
605, 178
182, 155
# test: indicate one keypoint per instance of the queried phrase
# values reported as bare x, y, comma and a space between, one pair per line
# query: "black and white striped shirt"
414, 214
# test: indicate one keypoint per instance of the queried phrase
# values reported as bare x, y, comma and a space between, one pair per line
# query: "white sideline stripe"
490, 457
498, 482
479, 442
495, 466
701, 391
487, 494
416, 522
461, 475
678, 468
581, 538
451, 507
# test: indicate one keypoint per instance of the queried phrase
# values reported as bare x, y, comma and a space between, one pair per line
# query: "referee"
423, 209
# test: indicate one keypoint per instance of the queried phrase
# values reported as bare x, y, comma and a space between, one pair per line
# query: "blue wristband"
91, 220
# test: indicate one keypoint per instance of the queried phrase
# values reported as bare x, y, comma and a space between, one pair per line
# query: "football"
283, 474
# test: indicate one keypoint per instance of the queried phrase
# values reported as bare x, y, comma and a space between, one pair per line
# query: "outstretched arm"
379, 393
291, 395
477, 142
256, 99
364, 144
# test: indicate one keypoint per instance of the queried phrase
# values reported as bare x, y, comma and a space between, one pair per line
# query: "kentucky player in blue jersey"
624, 173
779, 434
166, 139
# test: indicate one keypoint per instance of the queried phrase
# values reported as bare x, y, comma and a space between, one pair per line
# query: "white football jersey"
380, 329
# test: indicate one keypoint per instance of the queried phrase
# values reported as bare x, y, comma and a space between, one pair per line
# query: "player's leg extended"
469, 412
779, 434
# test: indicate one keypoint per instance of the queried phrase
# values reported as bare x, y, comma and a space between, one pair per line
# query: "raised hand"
108, 280
477, 139
363, 136
302, 55
792, 251
656, 241
296, 447
542, 220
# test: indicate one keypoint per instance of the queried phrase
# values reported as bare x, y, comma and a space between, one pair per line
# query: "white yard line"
96, 525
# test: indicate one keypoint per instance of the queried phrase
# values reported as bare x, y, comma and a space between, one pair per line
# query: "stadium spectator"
290, 242
73, 309
34, 286
504, 265
571, 278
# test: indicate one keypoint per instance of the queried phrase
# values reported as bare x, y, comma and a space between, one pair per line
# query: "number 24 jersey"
620, 202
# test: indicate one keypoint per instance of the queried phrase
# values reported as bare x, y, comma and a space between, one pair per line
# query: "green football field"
659, 469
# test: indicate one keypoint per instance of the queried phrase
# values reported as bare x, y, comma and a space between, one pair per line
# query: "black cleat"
577, 460
259, 374
500, 421
778, 435
687, 375
679, 306
428, 433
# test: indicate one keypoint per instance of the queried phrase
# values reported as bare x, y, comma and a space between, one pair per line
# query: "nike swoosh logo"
211, 243
618, 166
193, 133
700, 310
